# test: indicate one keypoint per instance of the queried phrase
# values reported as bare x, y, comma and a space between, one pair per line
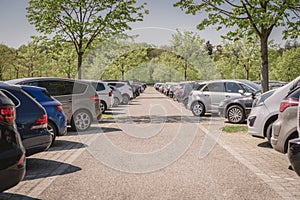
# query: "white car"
265, 110
125, 89
105, 93
209, 94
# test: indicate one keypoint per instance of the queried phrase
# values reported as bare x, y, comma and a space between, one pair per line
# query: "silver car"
116, 95
285, 127
209, 94
265, 110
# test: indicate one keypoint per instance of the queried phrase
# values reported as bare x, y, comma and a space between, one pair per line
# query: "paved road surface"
155, 149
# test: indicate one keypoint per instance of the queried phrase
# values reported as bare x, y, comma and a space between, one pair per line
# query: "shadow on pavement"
65, 145
41, 168
265, 145
11, 196
155, 119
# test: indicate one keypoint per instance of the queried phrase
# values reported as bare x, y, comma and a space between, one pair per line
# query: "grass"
234, 129
106, 116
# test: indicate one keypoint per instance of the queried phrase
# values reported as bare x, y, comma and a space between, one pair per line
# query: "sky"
156, 28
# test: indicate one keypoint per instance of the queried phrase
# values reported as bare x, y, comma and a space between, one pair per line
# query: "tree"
83, 21
189, 47
6, 58
239, 57
249, 17
286, 67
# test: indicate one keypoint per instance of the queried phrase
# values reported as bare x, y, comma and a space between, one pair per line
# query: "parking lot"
156, 149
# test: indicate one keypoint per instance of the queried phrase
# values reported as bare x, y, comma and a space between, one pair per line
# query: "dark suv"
80, 101
12, 152
31, 120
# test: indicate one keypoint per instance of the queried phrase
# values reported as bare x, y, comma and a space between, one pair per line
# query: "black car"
12, 152
237, 109
31, 120
294, 154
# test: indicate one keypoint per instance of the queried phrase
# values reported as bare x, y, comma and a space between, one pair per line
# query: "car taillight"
8, 114
110, 93
191, 93
21, 160
95, 98
41, 122
60, 108
287, 102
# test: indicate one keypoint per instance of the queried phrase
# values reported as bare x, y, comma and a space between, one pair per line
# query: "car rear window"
215, 87
12, 97
295, 94
39, 95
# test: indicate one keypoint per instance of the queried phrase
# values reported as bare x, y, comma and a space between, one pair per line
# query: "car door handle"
207, 95
69, 100
227, 96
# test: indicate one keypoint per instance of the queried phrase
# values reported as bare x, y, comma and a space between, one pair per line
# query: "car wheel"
198, 109
53, 131
235, 114
103, 106
81, 120
116, 102
125, 99
269, 132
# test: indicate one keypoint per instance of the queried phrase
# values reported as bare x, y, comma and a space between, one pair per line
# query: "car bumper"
255, 121
12, 176
294, 154
275, 139
37, 141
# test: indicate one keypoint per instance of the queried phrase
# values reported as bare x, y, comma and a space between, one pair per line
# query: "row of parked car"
271, 115
34, 111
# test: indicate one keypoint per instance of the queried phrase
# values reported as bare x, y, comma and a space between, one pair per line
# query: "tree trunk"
185, 68
80, 55
122, 70
264, 62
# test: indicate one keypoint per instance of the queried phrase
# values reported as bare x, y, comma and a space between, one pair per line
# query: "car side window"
200, 86
233, 87
247, 88
57, 88
35, 83
214, 87
118, 85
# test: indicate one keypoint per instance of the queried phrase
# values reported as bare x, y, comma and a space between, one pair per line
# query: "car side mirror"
242, 92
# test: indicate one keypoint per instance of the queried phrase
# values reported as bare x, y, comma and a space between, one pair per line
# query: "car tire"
103, 106
198, 109
125, 99
116, 102
81, 120
236, 114
53, 131
269, 132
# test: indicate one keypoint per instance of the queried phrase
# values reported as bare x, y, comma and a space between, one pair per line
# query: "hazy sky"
156, 28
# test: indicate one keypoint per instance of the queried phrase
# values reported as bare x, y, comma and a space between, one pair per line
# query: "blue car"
31, 120
57, 124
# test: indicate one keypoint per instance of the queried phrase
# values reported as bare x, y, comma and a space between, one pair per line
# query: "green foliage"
6, 60
287, 66
238, 60
249, 17
83, 21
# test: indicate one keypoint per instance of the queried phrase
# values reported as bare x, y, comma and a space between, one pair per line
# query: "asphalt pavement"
155, 149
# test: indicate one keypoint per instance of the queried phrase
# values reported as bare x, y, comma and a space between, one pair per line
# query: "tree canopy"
249, 17
83, 21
